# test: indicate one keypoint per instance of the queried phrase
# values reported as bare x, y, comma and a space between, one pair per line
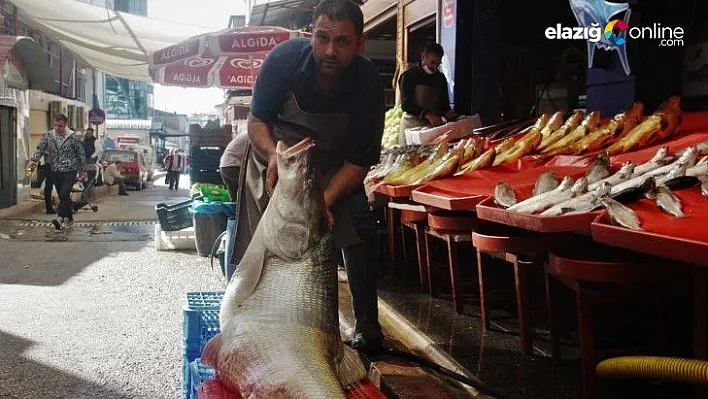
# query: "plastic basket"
204, 300
174, 216
199, 374
198, 327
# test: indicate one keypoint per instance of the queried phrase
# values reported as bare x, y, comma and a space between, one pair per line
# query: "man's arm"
262, 142
347, 178
41, 149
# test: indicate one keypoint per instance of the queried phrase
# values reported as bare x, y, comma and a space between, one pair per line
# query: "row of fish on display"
549, 136
599, 187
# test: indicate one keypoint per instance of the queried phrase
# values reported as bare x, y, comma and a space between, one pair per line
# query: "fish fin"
210, 354
349, 369
564, 210
245, 277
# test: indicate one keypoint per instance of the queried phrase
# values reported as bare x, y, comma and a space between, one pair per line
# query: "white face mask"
428, 70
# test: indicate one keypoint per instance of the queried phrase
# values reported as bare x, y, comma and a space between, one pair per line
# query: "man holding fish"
322, 88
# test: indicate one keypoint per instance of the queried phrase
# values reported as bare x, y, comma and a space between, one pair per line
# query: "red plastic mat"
684, 239
488, 210
214, 389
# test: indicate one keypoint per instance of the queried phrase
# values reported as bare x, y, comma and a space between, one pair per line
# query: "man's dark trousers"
64, 181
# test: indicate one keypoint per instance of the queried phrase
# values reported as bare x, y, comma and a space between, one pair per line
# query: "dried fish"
668, 202
621, 214
678, 170
689, 157
565, 184
504, 195
546, 182
661, 158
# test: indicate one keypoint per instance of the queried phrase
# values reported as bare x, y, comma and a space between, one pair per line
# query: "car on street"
133, 166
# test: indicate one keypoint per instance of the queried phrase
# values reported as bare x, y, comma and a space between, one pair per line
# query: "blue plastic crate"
199, 374
204, 300
199, 326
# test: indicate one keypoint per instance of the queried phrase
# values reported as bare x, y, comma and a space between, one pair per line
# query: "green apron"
292, 126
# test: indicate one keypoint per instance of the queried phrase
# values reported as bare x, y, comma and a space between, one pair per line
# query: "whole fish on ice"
279, 317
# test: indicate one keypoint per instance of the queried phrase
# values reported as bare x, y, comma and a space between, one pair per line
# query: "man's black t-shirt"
358, 94
418, 77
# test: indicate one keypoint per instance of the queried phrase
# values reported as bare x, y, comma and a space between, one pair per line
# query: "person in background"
89, 143
68, 163
322, 88
230, 163
111, 176
424, 93
174, 163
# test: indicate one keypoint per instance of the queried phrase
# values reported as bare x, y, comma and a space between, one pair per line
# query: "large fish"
279, 317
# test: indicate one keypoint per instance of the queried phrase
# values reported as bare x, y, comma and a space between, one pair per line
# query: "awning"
115, 42
31, 57
377, 12
291, 14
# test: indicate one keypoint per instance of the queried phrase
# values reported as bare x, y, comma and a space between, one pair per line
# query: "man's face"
89, 134
334, 44
431, 60
59, 126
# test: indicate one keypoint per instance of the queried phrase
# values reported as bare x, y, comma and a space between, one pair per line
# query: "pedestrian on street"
68, 164
230, 163
111, 176
325, 89
174, 163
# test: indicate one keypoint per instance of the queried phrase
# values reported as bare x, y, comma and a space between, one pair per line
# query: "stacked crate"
200, 323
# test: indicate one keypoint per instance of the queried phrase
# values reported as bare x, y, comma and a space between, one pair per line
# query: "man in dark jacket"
424, 93
68, 163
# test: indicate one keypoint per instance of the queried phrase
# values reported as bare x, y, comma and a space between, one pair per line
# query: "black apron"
292, 126
427, 97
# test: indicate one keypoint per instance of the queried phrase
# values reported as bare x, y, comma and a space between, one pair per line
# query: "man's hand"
31, 164
329, 217
433, 119
450, 115
272, 174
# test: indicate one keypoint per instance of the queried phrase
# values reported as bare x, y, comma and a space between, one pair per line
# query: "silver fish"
556, 197
704, 185
504, 195
599, 169
701, 149
689, 158
580, 204
625, 173
279, 319
621, 215
701, 168
565, 184
668, 202
546, 182
659, 159
678, 170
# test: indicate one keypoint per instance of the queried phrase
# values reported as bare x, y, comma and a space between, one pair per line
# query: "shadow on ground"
22, 377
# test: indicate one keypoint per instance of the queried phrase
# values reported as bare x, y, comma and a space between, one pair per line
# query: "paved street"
96, 311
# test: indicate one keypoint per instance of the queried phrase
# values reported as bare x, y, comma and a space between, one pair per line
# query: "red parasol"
229, 59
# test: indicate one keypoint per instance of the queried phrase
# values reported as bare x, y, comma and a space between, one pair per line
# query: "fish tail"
349, 369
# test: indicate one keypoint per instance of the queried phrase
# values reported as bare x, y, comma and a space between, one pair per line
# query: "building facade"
128, 99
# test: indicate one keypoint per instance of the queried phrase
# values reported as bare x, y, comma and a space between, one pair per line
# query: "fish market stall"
634, 181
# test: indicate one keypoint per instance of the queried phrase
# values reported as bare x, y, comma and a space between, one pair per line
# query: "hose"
483, 389
672, 369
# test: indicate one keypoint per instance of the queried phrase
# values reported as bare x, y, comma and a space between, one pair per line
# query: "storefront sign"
448, 36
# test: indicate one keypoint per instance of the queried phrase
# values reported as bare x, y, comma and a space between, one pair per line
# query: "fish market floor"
495, 356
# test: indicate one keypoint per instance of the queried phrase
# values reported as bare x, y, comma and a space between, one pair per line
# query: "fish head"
580, 186
690, 155
565, 184
627, 168
297, 181
603, 189
661, 153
